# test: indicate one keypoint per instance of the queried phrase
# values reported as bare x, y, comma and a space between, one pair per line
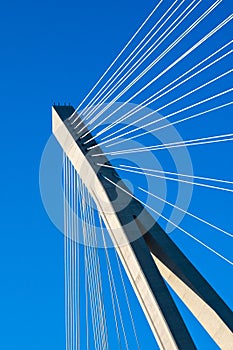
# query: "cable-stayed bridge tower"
148, 255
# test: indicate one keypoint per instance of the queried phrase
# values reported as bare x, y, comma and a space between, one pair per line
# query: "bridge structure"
181, 67
150, 258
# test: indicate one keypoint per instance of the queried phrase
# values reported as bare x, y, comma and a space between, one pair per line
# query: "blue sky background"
54, 51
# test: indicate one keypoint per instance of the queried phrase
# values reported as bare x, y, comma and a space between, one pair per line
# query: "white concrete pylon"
148, 255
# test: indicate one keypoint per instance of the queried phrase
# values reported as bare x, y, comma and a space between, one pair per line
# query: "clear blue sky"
54, 51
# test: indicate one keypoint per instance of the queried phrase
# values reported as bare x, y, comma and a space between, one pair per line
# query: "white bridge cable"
159, 58
142, 59
173, 123
69, 258
137, 63
172, 223
193, 116
149, 67
187, 143
178, 174
109, 138
76, 262
97, 273
115, 292
77, 200
135, 109
137, 49
88, 270
88, 267
76, 270
71, 270
111, 284
83, 213
188, 213
86, 306
118, 56
166, 117
73, 260
80, 211
115, 123
98, 270
183, 144
169, 178
127, 300
68, 264
95, 268
122, 280
92, 223
148, 102
65, 182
